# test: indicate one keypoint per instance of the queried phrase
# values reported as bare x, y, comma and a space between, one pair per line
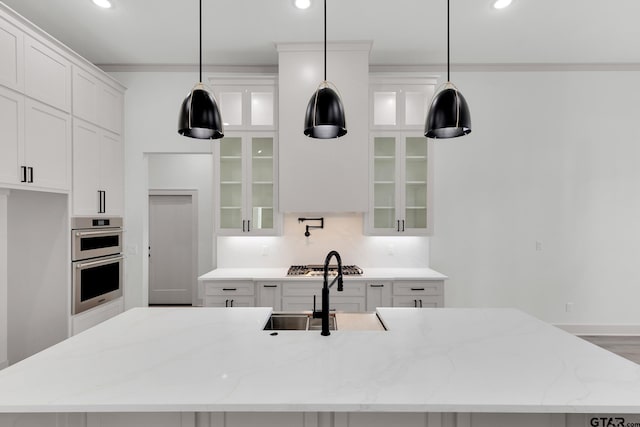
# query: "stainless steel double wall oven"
97, 261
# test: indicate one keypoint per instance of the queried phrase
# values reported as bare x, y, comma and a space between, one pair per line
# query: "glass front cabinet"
400, 185
400, 162
246, 184
246, 158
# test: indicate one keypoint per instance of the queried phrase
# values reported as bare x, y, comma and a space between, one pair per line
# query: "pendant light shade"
324, 118
199, 114
325, 114
448, 115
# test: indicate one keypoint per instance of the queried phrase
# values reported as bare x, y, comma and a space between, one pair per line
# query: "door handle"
30, 169
403, 225
104, 202
415, 303
23, 172
226, 303
248, 225
398, 222
420, 303
231, 305
243, 225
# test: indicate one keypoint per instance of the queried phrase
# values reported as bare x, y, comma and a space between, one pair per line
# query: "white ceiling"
404, 32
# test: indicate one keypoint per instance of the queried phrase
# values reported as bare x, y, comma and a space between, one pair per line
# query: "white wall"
342, 232
552, 158
152, 102
189, 172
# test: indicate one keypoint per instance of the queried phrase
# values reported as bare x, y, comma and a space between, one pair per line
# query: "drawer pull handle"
229, 289
270, 286
417, 289
377, 286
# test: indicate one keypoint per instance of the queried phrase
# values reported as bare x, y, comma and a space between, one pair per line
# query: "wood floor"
625, 346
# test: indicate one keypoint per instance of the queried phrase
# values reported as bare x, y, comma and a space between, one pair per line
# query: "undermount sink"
297, 322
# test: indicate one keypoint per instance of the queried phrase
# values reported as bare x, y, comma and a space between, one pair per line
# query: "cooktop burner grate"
318, 270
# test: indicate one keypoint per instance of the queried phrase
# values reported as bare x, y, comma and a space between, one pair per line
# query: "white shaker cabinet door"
86, 167
112, 173
12, 54
11, 135
85, 95
47, 75
47, 146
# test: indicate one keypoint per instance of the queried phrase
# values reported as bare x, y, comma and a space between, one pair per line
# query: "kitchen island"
217, 367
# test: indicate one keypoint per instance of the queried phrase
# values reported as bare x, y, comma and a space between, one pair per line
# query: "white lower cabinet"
378, 295
269, 295
418, 294
298, 296
229, 294
357, 296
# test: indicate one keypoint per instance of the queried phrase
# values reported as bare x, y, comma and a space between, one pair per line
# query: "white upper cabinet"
400, 184
96, 102
246, 103
47, 147
247, 185
400, 188
11, 135
323, 175
47, 75
399, 103
12, 54
98, 186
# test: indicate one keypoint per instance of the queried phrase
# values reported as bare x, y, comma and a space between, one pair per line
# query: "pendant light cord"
448, 47
200, 41
325, 40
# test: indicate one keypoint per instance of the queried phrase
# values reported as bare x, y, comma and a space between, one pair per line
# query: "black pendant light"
199, 114
448, 115
324, 118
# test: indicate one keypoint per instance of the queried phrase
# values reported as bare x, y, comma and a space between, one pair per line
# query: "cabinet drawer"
347, 304
418, 301
229, 301
351, 289
229, 288
434, 287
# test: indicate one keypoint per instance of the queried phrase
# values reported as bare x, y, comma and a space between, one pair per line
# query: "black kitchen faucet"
324, 314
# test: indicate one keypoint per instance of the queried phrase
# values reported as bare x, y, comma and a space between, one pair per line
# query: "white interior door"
172, 274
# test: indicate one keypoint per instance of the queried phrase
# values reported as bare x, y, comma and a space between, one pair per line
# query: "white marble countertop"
216, 359
256, 274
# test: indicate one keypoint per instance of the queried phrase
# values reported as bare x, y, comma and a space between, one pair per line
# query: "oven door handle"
97, 233
99, 262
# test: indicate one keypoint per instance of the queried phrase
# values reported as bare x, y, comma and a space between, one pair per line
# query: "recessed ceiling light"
302, 4
501, 4
105, 4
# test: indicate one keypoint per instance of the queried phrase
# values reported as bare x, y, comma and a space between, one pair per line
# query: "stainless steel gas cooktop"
318, 270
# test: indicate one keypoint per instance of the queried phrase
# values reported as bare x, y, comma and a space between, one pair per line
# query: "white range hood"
320, 175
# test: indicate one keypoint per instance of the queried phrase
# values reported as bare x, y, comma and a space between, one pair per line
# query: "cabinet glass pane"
231, 108
384, 108
262, 108
416, 183
231, 218
231, 182
415, 108
384, 185
262, 183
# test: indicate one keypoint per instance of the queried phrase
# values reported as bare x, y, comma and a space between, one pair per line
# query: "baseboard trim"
615, 330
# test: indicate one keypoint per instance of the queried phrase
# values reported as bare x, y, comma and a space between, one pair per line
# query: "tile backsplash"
341, 232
